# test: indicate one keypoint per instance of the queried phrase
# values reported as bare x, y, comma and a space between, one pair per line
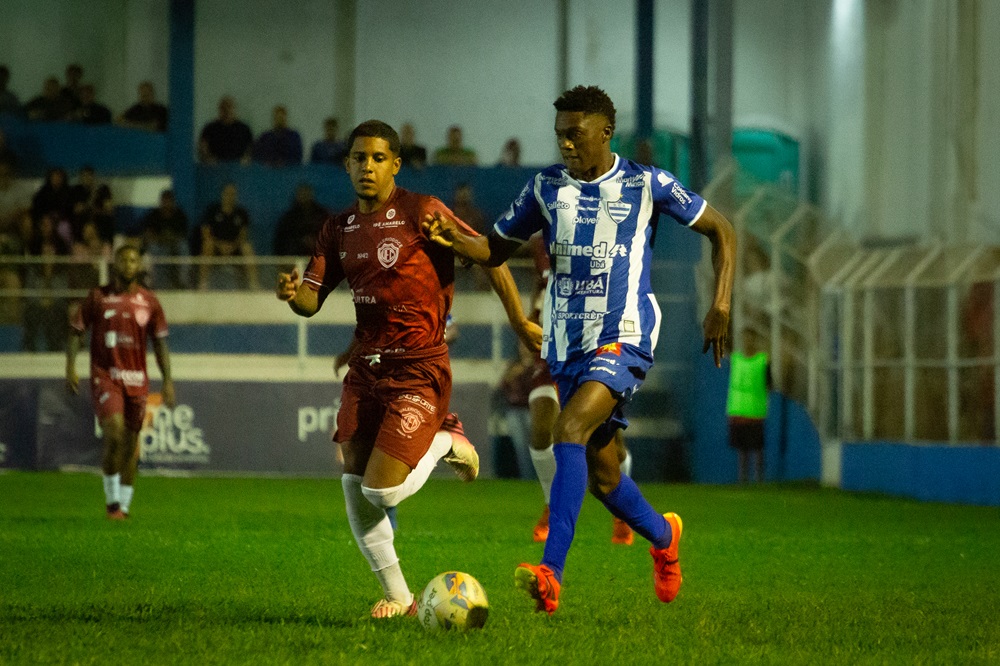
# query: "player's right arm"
301, 299
324, 272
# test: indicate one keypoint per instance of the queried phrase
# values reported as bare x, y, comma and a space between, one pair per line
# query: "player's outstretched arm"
443, 231
301, 299
72, 348
163, 361
505, 287
713, 225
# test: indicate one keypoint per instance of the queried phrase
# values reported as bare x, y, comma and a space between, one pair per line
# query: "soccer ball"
453, 600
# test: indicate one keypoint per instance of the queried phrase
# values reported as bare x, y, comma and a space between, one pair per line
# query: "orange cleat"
666, 567
540, 584
384, 608
541, 531
463, 458
114, 512
621, 532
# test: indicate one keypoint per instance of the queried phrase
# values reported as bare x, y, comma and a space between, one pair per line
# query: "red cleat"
621, 532
666, 566
540, 584
541, 531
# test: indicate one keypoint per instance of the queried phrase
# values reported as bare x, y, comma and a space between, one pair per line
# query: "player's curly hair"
375, 129
588, 99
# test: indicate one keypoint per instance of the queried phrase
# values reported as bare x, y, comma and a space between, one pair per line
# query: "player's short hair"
375, 129
588, 99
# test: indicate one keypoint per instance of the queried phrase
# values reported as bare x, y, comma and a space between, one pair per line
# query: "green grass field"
264, 571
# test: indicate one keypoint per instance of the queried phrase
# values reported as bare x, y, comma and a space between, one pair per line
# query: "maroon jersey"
120, 324
402, 283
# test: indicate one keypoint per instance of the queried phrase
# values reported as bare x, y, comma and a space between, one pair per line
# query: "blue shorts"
622, 368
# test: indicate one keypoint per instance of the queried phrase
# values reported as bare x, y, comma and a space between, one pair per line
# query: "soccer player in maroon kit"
121, 315
398, 386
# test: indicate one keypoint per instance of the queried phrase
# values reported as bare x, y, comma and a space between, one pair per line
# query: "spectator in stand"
510, 156
50, 105
146, 114
225, 232
71, 91
15, 198
55, 198
90, 111
330, 149
164, 232
9, 103
279, 146
412, 154
300, 224
103, 214
82, 200
45, 315
227, 138
90, 246
455, 153
6, 154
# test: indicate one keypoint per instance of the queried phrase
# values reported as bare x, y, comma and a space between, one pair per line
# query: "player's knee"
571, 430
385, 498
601, 484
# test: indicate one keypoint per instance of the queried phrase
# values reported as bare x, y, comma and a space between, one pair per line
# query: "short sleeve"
433, 204
671, 198
524, 217
325, 271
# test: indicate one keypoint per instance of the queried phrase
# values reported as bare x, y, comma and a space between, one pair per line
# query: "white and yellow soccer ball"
453, 600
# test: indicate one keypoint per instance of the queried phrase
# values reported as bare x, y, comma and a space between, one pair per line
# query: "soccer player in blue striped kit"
598, 214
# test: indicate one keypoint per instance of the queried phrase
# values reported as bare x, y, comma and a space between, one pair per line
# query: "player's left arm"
505, 287
713, 225
163, 361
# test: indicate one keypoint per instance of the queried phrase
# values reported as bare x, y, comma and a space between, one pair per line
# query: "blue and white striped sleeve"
672, 198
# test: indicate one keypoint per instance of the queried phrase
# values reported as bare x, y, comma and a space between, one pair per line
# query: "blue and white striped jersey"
599, 239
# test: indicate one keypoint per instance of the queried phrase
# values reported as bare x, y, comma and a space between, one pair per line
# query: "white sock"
112, 488
373, 534
545, 467
626, 466
440, 446
126, 497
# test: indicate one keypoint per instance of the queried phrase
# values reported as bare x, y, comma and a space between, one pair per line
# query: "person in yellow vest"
746, 407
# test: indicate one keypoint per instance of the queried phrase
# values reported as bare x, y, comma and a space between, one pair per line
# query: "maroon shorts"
110, 397
396, 404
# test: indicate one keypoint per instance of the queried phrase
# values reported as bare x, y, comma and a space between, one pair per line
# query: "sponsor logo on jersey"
618, 210
388, 251
583, 197
128, 377
351, 227
108, 314
350, 219
678, 192
169, 436
602, 250
389, 224
391, 213
558, 181
362, 298
362, 255
610, 348
632, 181
582, 219
662, 179
590, 315
596, 285
561, 205
142, 316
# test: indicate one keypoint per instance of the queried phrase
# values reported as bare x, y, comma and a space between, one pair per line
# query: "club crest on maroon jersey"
388, 251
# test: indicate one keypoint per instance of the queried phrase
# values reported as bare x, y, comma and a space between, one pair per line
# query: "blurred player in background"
543, 410
598, 215
120, 315
398, 385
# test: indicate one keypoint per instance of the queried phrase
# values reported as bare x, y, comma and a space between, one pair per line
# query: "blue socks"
627, 503
569, 487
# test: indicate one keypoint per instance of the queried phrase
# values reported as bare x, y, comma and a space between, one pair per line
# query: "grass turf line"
265, 571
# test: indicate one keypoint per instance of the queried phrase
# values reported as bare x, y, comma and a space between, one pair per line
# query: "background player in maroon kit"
398, 386
121, 315
543, 409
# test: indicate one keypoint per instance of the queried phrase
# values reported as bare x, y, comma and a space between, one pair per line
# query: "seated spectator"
279, 146
71, 91
9, 103
90, 246
330, 149
227, 138
6, 154
103, 214
15, 198
225, 232
82, 199
146, 114
90, 111
50, 105
54, 198
412, 154
299, 225
45, 316
165, 232
455, 153
510, 156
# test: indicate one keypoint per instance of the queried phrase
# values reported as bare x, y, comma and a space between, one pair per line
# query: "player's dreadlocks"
375, 129
588, 99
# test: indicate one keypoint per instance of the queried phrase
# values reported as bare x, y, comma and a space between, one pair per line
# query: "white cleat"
384, 608
462, 457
